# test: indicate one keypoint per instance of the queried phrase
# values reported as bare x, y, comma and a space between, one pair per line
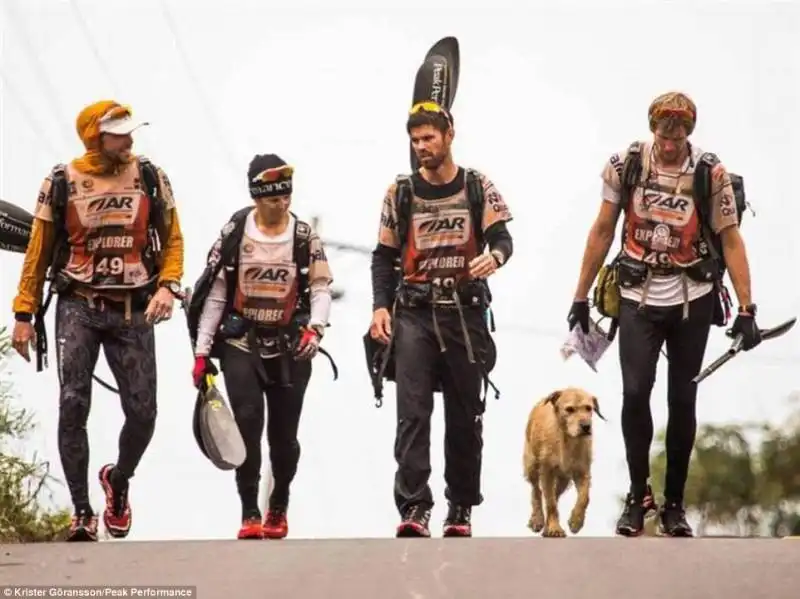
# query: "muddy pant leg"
641, 335
284, 407
131, 356
416, 357
77, 349
463, 408
686, 345
246, 396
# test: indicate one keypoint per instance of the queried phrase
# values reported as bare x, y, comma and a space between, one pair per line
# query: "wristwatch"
499, 257
173, 287
748, 309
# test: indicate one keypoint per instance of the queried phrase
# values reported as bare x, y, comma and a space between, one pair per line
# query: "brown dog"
558, 450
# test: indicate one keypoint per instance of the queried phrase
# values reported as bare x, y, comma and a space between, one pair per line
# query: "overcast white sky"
546, 95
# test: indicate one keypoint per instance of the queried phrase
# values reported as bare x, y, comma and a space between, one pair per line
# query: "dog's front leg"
536, 521
549, 483
582, 483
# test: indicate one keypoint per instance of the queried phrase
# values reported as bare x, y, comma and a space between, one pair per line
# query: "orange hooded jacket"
40, 245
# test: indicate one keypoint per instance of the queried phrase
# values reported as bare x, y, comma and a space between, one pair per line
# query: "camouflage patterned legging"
130, 351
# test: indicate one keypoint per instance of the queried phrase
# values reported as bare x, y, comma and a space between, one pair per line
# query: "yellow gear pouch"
606, 292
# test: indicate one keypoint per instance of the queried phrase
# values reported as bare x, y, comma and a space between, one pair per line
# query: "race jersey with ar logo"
267, 289
662, 227
440, 241
106, 220
267, 283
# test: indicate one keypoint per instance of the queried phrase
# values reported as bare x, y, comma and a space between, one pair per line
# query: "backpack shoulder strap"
150, 178
224, 254
402, 200
60, 196
60, 187
152, 187
301, 255
631, 173
629, 178
701, 185
302, 237
475, 196
232, 234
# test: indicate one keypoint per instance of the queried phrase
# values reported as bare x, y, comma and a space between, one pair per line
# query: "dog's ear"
597, 408
553, 398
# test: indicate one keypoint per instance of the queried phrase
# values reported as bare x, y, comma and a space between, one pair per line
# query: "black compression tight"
284, 406
81, 330
641, 336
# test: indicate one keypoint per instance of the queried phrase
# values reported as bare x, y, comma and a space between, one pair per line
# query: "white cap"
123, 126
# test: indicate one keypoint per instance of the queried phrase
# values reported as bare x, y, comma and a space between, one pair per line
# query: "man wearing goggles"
446, 226
674, 202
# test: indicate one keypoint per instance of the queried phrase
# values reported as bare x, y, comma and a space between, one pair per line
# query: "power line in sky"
27, 114
51, 95
73, 4
222, 142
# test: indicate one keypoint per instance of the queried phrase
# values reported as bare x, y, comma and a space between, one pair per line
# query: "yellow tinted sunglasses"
429, 106
273, 174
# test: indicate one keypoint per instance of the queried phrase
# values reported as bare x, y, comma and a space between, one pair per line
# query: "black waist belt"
427, 294
665, 271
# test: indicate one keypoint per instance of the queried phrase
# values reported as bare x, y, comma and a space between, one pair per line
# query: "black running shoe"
117, 515
458, 523
415, 523
672, 521
83, 527
631, 522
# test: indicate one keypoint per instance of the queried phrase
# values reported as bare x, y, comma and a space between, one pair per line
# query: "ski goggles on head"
272, 182
273, 174
430, 106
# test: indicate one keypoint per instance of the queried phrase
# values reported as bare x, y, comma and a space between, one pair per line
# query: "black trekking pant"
246, 391
641, 336
420, 366
81, 329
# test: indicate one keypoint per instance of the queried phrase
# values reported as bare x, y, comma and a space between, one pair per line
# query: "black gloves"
745, 325
579, 314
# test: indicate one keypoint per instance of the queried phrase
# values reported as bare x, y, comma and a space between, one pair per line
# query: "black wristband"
23, 316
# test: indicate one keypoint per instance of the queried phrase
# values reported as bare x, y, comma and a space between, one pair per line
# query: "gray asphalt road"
607, 568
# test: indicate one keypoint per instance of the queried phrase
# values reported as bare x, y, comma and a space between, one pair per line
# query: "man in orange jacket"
107, 228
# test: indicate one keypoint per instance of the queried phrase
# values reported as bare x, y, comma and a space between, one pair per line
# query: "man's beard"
433, 161
116, 159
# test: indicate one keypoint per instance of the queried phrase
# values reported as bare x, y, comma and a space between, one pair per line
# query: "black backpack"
61, 192
380, 364
474, 190
475, 197
60, 250
630, 176
225, 254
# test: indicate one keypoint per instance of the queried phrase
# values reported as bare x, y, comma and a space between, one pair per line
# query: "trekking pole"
736, 347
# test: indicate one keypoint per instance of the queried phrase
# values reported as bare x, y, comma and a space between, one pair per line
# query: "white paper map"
590, 347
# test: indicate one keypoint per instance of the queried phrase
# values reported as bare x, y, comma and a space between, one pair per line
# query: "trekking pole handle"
737, 345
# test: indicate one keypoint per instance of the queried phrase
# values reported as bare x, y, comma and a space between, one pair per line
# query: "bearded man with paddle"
106, 234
